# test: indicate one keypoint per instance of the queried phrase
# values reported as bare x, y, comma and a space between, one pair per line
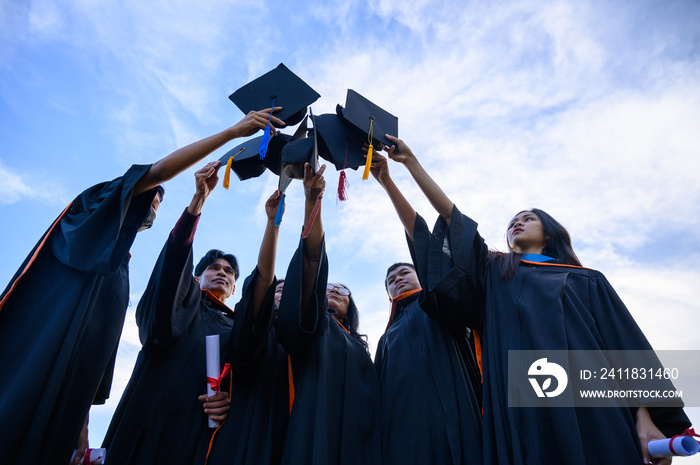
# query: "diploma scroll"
678, 446
92, 456
213, 368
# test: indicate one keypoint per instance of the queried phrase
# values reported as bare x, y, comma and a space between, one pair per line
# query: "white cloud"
16, 187
587, 110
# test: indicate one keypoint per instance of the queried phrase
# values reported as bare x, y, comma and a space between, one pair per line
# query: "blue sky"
589, 110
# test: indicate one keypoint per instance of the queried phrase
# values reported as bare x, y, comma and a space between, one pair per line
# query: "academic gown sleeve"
449, 278
93, 212
250, 331
298, 328
171, 299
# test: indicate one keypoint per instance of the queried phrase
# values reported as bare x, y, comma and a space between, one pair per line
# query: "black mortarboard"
277, 88
246, 161
339, 142
369, 118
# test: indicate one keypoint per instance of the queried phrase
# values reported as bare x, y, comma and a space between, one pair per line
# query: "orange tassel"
227, 173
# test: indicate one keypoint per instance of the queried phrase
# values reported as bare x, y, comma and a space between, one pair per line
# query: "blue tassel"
280, 210
264, 143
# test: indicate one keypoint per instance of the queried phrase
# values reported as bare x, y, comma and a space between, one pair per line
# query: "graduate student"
62, 313
255, 430
428, 376
335, 410
159, 418
536, 297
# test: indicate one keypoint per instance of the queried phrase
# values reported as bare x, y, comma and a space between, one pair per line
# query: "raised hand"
379, 167
399, 152
206, 178
314, 184
205, 182
256, 120
272, 204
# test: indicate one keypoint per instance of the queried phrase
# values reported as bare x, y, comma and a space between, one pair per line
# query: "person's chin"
219, 291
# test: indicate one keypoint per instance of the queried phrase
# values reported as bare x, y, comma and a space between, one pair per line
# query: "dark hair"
557, 245
212, 256
392, 268
352, 321
161, 191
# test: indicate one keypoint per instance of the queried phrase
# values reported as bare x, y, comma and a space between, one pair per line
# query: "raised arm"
407, 215
267, 254
206, 179
314, 185
172, 295
183, 158
401, 153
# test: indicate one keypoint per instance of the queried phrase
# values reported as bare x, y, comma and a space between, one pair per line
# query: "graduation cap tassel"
266, 135
280, 210
368, 163
314, 212
343, 187
227, 173
343, 179
280, 207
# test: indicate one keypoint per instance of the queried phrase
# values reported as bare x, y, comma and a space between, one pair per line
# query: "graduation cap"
371, 120
277, 88
341, 144
300, 150
245, 160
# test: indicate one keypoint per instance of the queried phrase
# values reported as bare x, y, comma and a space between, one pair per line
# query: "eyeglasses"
342, 290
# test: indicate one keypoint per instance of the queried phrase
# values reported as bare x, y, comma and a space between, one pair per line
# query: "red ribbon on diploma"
688, 432
87, 460
215, 383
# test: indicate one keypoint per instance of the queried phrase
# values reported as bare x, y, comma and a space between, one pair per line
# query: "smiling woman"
342, 306
335, 404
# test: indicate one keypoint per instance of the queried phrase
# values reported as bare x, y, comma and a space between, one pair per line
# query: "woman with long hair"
334, 392
536, 297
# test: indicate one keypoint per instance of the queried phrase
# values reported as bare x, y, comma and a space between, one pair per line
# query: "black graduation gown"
61, 321
159, 419
429, 408
543, 307
253, 433
335, 414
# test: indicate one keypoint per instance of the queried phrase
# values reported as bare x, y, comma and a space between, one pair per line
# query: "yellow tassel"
227, 173
365, 175
370, 134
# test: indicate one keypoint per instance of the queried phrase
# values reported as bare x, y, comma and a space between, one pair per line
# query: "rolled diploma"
682, 445
213, 367
92, 456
